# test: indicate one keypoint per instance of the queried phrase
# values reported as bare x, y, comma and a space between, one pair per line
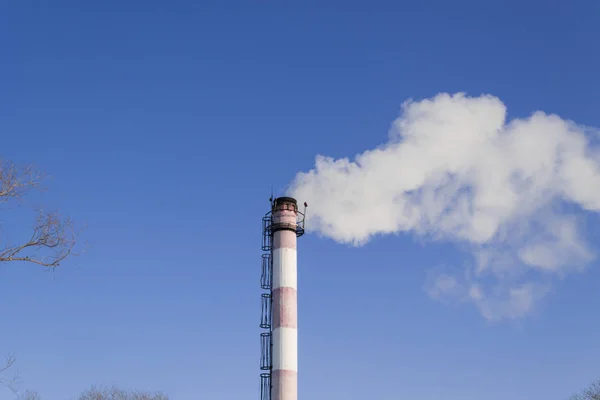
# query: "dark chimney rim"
286, 200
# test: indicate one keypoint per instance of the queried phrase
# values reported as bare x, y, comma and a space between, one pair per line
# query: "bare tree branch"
52, 239
15, 182
51, 234
12, 382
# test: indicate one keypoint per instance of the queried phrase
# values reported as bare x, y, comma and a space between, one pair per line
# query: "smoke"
454, 169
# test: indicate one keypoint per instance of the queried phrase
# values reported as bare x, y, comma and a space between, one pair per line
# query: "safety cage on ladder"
266, 283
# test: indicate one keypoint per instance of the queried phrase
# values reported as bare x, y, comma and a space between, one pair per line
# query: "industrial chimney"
279, 361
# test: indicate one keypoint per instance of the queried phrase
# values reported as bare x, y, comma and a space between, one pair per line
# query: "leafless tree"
114, 393
52, 238
10, 382
592, 392
30, 395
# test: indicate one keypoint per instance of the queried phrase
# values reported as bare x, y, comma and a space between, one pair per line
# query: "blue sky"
163, 125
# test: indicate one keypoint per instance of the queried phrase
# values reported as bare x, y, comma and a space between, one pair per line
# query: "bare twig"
14, 182
30, 395
592, 392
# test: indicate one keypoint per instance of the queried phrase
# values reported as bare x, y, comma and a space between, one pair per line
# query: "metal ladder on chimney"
266, 284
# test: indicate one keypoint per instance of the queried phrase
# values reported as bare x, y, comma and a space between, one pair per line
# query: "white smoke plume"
454, 169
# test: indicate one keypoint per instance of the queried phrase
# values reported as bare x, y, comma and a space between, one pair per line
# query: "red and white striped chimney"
284, 376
